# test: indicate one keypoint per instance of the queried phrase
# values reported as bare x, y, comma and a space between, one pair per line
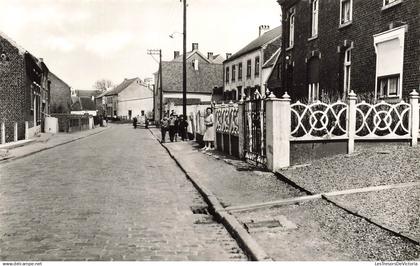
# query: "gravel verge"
324, 232
396, 209
372, 165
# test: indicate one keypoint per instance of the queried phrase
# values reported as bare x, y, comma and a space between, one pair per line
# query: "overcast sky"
85, 40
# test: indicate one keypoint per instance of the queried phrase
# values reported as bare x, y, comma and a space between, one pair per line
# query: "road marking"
317, 196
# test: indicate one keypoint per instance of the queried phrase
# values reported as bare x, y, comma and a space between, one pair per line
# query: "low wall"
71, 122
305, 152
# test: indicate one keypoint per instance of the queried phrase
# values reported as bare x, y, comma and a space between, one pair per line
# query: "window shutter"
389, 55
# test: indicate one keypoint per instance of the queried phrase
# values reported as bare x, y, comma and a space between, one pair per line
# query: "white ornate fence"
227, 119
227, 126
321, 121
280, 123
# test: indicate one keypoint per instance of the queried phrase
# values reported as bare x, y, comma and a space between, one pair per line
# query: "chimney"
210, 55
176, 54
228, 55
263, 29
195, 46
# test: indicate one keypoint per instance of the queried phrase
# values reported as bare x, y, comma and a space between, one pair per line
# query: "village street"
113, 196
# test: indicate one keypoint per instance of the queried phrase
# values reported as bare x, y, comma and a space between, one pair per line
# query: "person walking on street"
135, 122
164, 126
183, 125
172, 127
209, 133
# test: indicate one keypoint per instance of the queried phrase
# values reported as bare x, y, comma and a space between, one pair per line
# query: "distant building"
333, 47
60, 94
204, 73
83, 102
248, 70
24, 89
128, 99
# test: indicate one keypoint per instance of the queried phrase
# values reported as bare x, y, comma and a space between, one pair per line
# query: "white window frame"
292, 17
315, 17
391, 4
396, 33
342, 23
347, 70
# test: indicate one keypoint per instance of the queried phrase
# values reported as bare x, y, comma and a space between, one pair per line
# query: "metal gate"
255, 130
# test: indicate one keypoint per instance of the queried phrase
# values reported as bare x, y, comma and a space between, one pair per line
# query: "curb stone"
244, 239
12, 158
347, 209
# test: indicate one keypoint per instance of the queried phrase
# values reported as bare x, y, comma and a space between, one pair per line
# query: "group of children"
175, 125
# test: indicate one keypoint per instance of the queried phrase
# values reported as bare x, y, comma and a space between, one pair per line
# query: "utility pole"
152, 53
184, 64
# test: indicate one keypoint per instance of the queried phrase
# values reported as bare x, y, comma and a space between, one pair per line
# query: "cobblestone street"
114, 196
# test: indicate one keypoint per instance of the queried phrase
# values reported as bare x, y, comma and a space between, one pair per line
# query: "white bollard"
15, 132
26, 130
414, 102
351, 123
3, 133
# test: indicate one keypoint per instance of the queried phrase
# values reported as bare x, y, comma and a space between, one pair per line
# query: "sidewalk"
47, 141
309, 229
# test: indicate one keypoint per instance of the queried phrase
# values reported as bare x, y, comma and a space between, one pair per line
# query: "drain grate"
200, 210
277, 223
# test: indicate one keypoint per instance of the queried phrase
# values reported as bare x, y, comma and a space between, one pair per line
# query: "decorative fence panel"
383, 120
319, 121
254, 130
227, 128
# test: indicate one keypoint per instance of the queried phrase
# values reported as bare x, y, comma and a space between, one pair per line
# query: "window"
291, 27
389, 86
347, 71
389, 48
227, 74
240, 71
313, 79
257, 66
248, 69
233, 73
389, 3
315, 8
346, 11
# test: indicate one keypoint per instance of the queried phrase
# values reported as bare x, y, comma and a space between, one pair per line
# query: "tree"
103, 85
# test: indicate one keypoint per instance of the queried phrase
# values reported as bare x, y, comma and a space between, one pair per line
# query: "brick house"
24, 89
204, 73
60, 93
248, 70
332, 47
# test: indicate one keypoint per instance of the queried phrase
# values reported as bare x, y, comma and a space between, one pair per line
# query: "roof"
121, 87
178, 101
218, 59
259, 42
202, 81
87, 104
87, 93
101, 95
189, 54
